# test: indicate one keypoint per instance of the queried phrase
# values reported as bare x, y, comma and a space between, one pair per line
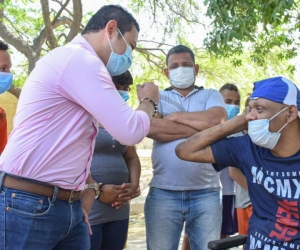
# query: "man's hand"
110, 194
148, 89
86, 220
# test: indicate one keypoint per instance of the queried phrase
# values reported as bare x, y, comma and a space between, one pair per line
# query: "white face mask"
182, 77
260, 134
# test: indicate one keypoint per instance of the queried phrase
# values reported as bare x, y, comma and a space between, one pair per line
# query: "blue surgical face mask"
6, 80
232, 110
118, 64
124, 94
260, 134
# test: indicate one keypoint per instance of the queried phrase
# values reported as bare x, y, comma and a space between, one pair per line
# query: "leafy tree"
31, 31
262, 27
34, 27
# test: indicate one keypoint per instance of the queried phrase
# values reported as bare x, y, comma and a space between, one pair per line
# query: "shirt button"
113, 139
113, 146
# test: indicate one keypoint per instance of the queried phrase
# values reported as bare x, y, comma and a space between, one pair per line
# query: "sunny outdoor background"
234, 41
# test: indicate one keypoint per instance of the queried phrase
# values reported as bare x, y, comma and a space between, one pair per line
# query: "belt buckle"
71, 196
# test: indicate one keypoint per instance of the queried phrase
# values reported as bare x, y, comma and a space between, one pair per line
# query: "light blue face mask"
232, 110
6, 80
124, 94
118, 64
260, 134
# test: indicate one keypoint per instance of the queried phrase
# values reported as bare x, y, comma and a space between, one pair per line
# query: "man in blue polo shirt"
269, 157
180, 191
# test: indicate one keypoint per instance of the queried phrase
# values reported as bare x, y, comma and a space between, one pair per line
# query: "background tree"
33, 27
258, 26
30, 32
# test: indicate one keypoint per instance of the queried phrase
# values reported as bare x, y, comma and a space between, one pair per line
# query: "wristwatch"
96, 186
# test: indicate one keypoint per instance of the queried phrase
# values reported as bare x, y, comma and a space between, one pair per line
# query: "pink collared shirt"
55, 124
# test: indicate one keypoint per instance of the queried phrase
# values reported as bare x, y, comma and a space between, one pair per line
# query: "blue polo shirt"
274, 190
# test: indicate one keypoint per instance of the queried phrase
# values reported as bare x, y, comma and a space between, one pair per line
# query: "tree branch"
63, 6
143, 50
159, 44
10, 38
181, 15
48, 24
77, 18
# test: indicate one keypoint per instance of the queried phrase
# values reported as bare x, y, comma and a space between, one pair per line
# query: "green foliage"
248, 40
261, 25
218, 71
214, 71
24, 18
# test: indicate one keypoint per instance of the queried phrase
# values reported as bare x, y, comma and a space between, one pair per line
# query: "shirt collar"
194, 90
80, 40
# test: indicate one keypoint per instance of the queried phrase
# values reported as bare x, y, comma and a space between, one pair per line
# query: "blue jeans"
110, 235
29, 221
166, 211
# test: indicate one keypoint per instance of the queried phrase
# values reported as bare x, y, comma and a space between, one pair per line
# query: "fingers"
86, 220
119, 187
118, 205
126, 185
122, 199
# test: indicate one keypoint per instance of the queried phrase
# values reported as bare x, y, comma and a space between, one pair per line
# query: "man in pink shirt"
46, 162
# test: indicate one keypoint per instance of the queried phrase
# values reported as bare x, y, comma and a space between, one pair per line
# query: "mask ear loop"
283, 127
109, 43
123, 37
278, 113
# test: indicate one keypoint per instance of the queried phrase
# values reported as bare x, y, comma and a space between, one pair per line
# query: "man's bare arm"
238, 176
197, 148
164, 130
199, 120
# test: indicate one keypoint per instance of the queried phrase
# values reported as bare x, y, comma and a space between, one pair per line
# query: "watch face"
95, 186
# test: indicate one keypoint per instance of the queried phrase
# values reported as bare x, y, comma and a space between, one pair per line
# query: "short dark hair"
229, 86
3, 45
180, 49
123, 79
111, 12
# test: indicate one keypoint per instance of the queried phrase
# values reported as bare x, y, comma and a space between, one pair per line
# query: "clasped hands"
117, 195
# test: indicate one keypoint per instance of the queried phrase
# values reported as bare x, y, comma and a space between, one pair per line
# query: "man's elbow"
132, 137
182, 152
132, 140
219, 118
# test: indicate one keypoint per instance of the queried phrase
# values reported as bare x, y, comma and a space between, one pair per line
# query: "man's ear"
110, 28
197, 68
293, 113
166, 71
